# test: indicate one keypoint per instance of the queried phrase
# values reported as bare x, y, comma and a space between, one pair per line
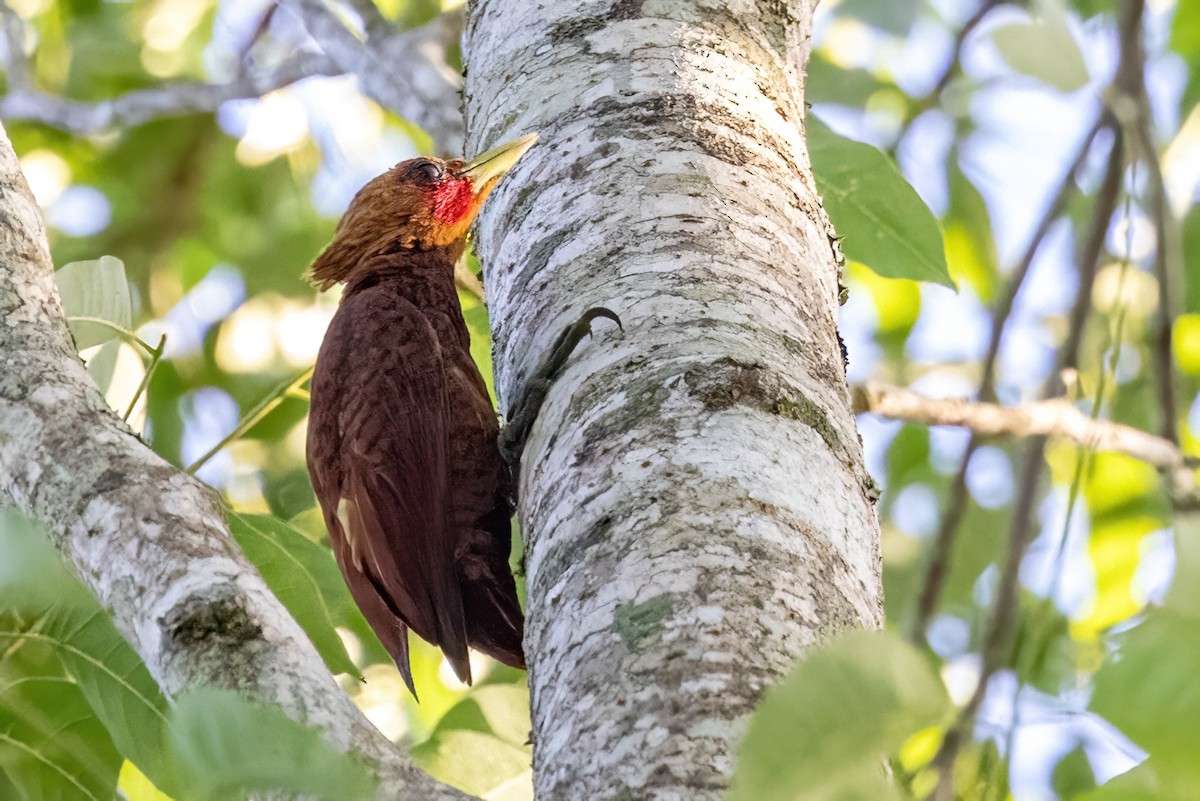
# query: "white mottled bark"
695, 503
149, 540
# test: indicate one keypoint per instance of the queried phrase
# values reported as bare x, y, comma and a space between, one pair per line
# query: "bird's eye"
426, 172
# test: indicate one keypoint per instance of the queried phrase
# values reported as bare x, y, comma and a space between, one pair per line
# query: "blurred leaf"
824, 731
103, 363
882, 220
498, 709
1073, 774
472, 761
981, 773
136, 787
1185, 31
1139, 784
843, 86
1044, 652
970, 246
894, 16
97, 290
1044, 48
51, 746
1115, 549
302, 574
1191, 247
87, 657
986, 545
481, 744
1150, 692
908, 454
83, 676
1090, 8
1186, 343
1184, 595
897, 302
227, 746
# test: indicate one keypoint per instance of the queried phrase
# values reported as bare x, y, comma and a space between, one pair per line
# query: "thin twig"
999, 634
931, 100
956, 503
155, 357
1169, 270
254, 417
960, 39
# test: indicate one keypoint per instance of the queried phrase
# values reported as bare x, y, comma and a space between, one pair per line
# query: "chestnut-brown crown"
422, 204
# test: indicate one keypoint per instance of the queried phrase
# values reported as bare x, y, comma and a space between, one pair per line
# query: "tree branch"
1055, 417
150, 541
406, 73
143, 105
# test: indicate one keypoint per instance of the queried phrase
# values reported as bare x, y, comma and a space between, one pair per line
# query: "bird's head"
421, 204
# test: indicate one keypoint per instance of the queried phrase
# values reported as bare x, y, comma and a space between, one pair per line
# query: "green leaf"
825, 730
498, 709
51, 746
967, 228
829, 83
86, 655
1139, 784
95, 296
1150, 692
303, 575
1073, 774
1185, 32
882, 220
1044, 48
472, 761
481, 744
103, 364
225, 747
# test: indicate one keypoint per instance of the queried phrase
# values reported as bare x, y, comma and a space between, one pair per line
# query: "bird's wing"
394, 488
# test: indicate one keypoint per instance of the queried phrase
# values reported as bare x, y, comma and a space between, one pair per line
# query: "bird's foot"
525, 411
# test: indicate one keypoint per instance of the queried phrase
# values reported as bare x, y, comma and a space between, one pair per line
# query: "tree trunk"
696, 510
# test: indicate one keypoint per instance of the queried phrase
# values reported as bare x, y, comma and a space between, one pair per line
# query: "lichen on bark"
695, 505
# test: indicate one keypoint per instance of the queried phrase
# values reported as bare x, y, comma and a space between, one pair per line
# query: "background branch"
406, 72
143, 105
1056, 417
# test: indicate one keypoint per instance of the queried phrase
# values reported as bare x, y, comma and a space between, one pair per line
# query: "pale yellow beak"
487, 167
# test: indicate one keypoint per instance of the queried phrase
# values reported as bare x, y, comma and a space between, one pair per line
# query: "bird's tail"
495, 623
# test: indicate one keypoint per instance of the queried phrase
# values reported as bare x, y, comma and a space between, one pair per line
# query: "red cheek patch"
452, 200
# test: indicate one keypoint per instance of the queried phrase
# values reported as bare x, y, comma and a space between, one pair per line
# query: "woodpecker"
405, 453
